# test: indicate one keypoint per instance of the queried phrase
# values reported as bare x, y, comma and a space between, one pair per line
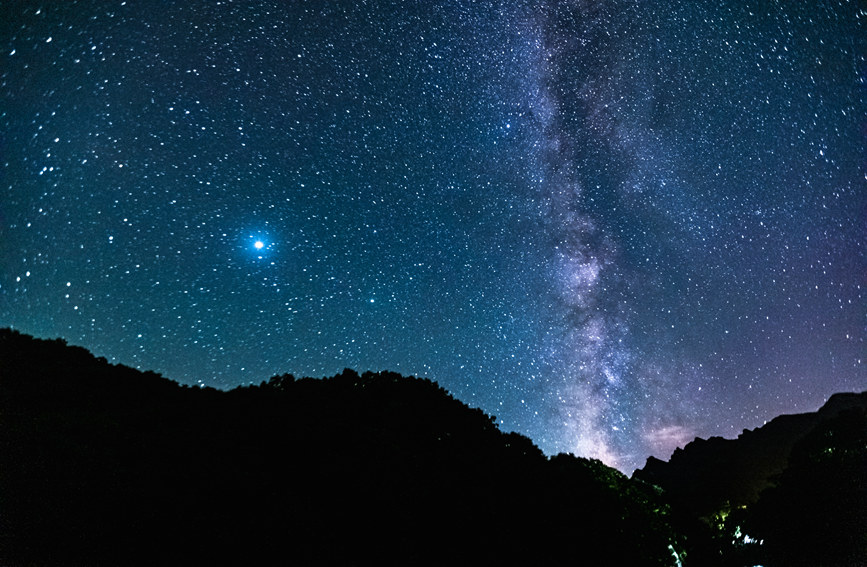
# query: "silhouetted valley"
105, 465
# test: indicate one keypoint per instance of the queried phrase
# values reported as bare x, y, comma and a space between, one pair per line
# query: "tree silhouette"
103, 464
817, 513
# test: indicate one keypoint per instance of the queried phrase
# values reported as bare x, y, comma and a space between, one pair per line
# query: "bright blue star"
259, 244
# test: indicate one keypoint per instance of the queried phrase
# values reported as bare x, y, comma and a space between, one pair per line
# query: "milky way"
614, 225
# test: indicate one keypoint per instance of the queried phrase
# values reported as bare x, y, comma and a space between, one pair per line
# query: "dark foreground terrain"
790, 493
105, 465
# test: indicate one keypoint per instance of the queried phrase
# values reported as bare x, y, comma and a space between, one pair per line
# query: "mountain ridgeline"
792, 492
105, 465
712, 475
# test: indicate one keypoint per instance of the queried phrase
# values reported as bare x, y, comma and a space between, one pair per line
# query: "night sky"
615, 225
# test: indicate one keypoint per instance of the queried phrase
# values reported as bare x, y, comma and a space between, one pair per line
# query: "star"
559, 204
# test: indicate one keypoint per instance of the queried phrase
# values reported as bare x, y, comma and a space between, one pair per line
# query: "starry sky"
615, 225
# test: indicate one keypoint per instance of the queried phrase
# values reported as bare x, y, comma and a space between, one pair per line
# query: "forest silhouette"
102, 464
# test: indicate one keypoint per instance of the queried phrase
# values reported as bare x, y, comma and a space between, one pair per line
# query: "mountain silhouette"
106, 465
709, 475
799, 482
102, 464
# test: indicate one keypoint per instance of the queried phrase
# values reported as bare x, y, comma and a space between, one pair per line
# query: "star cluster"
614, 225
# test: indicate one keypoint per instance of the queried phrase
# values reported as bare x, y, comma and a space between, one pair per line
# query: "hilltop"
792, 492
104, 464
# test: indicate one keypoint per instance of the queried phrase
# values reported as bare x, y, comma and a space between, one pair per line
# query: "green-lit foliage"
817, 513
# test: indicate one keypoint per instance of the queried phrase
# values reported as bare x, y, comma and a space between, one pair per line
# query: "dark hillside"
716, 474
798, 485
105, 465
